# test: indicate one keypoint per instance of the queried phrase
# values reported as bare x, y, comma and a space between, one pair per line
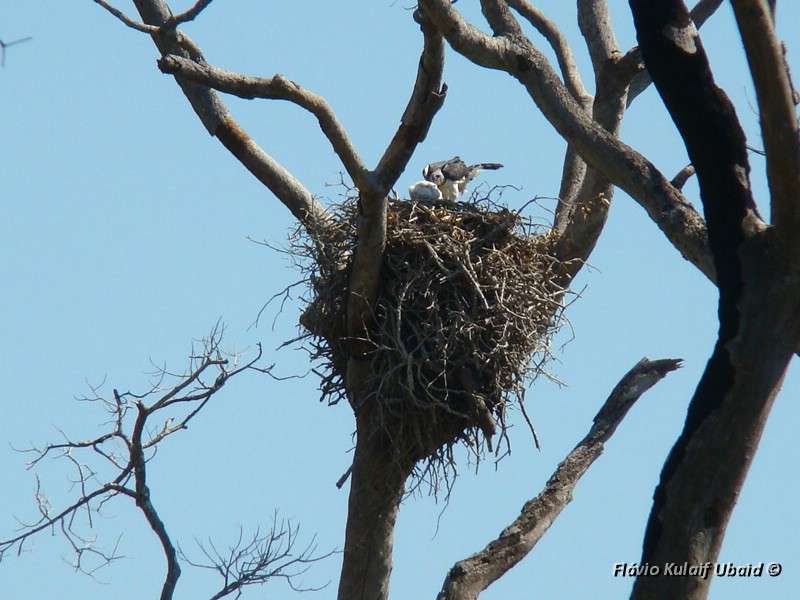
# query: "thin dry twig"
132, 23
260, 557
120, 455
4, 45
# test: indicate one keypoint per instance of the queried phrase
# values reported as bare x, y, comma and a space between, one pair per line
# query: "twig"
4, 45
124, 447
132, 23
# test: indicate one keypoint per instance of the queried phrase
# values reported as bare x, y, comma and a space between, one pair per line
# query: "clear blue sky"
124, 231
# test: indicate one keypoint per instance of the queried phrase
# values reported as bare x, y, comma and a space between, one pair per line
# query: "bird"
424, 191
452, 176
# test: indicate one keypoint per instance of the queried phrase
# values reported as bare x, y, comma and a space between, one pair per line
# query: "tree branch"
682, 176
500, 18
469, 577
377, 485
623, 166
132, 23
595, 25
701, 12
561, 47
189, 14
777, 112
426, 99
159, 22
274, 88
259, 558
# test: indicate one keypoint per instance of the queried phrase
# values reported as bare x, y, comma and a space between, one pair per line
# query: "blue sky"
124, 236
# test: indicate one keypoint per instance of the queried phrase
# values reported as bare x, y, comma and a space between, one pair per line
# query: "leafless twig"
120, 453
260, 557
4, 45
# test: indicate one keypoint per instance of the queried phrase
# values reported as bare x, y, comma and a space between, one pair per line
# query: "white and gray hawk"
452, 176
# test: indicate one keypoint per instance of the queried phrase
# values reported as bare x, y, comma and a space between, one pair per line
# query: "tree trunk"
705, 470
759, 315
376, 488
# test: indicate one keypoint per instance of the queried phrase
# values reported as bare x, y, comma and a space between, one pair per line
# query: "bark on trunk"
705, 470
376, 488
759, 314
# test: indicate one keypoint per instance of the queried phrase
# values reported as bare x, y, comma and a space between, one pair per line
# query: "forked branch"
259, 558
160, 23
275, 88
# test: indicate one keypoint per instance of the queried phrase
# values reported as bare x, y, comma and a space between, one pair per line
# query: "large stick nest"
467, 305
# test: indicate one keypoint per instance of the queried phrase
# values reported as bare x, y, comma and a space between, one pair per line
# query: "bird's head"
434, 174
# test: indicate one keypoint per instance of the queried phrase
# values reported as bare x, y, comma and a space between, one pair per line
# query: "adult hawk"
452, 176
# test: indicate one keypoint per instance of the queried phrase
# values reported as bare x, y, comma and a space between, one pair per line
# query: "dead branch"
682, 176
622, 165
159, 22
132, 23
277, 87
426, 99
561, 47
758, 312
595, 25
177, 398
776, 103
189, 14
469, 577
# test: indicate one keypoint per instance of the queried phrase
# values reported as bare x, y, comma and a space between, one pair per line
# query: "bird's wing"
455, 169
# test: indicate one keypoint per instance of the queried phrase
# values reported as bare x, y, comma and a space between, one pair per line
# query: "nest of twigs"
467, 305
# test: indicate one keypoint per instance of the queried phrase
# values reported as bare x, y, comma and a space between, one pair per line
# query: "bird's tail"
489, 166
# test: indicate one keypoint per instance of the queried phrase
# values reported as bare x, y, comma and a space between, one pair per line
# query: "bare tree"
753, 264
